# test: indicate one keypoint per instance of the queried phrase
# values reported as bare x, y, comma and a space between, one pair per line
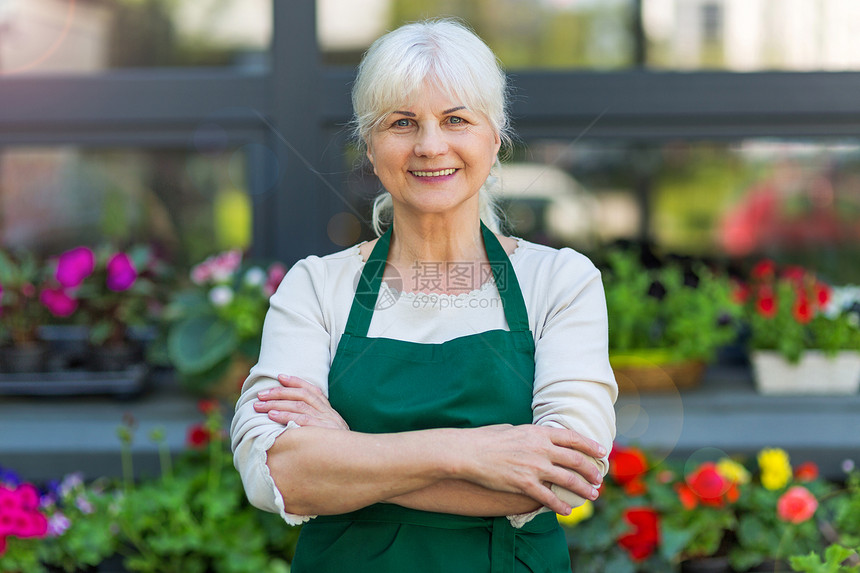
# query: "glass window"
748, 35
68, 36
191, 204
793, 201
523, 33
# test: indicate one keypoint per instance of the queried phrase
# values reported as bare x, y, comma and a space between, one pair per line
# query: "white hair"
448, 54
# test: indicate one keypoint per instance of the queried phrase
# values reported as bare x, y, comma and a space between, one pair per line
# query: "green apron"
382, 385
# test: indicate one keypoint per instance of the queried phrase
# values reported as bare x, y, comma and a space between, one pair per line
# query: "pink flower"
121, 272
225, 264
74, 266
796, 505
58, 302
200, 274
276, 274
19, 513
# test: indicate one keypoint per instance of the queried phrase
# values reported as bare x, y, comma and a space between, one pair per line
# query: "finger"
316, 401
576, 441
582, 464
546, 497
296, 382
284, 417
296, 406
573, 482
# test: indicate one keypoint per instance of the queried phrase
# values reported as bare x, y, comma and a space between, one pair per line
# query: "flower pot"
816, 373
652, 371
114, 357
228, 387
23, 359
713, 564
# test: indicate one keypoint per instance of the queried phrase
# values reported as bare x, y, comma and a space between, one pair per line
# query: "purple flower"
58, 302
84, 505
74, 266
9, 477
58, 524
121, 272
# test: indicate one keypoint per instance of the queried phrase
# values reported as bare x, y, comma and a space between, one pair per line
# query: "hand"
528, 459
301, 402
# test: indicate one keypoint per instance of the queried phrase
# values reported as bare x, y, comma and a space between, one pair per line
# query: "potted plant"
214, 327
665, 322
779, 513
195, 516
111, 292
21, 313
805, 335
622, 531
64, 526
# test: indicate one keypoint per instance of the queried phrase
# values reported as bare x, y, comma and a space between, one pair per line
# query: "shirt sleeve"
574, 386
295, 342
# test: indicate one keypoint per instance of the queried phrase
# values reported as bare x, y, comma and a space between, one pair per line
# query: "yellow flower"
775, 468
579, 513
733, 471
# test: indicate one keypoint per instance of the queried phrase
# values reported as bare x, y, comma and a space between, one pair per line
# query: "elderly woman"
436, 425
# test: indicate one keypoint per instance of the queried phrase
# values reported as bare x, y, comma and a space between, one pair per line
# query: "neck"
437, 238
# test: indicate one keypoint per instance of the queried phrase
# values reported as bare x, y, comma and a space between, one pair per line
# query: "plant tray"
122, 384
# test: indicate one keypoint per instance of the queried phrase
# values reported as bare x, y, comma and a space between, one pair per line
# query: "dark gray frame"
299, 110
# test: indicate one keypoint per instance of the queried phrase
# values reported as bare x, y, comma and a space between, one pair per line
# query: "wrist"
452, 463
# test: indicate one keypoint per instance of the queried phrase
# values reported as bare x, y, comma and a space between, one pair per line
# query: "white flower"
255, 277
221, 295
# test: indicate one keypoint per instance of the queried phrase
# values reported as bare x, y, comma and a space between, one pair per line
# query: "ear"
369, 153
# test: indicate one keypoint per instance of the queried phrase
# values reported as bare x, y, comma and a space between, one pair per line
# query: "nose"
431, 142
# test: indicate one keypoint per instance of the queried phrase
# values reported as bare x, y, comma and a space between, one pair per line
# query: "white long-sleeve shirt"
574, 385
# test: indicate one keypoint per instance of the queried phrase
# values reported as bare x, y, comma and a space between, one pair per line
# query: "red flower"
794, 273
822, 294
740, 292
807, 471
802, 309
626, 467
796, 505
764, 269
74, 266
198, 436
645, 537
121, 272
707, 486
207, 406
766, 303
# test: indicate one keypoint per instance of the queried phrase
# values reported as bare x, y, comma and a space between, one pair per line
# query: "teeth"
433, 173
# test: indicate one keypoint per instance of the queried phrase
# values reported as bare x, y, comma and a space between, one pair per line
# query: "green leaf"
199, 343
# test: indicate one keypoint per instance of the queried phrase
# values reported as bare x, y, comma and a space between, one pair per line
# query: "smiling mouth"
439, 173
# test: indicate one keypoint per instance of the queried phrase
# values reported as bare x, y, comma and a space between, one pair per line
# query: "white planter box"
816, 373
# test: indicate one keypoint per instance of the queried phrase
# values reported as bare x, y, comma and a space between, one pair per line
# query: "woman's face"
434, 154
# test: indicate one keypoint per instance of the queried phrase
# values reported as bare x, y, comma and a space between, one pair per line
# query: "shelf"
47, 437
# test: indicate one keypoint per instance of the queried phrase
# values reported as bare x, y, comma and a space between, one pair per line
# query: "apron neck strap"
367, 290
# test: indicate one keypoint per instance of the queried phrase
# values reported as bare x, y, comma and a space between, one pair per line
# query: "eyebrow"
446, 112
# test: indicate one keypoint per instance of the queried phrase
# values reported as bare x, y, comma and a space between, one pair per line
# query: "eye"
402, 122
456, 120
